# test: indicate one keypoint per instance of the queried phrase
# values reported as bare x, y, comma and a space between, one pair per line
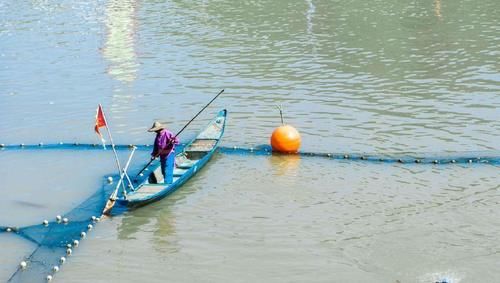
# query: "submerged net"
55, 241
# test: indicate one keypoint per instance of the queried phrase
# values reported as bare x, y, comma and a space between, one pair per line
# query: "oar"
178, 133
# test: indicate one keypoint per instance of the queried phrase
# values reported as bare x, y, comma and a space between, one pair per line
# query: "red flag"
100, 121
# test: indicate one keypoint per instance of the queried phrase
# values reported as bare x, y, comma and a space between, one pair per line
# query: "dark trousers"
167, 167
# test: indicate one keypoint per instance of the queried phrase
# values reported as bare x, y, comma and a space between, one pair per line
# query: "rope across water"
434, 159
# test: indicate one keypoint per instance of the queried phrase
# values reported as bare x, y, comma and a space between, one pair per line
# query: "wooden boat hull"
190, 160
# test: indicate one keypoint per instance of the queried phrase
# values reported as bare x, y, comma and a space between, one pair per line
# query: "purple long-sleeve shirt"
165, 143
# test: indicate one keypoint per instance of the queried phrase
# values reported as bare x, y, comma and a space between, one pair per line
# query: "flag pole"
112, 144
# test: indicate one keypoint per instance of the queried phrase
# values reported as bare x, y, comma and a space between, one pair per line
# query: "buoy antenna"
280, 108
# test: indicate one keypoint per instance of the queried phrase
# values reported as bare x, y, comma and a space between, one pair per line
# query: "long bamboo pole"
178, 133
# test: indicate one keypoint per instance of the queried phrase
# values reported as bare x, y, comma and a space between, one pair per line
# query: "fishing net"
56, 240
486, 157
473, 157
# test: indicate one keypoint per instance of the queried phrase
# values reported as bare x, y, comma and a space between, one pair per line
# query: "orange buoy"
285, 139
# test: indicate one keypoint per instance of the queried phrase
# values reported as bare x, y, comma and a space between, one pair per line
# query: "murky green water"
353, 76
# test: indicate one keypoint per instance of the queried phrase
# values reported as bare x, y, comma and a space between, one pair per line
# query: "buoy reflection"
285, 164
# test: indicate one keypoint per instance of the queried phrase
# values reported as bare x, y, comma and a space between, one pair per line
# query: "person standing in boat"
164, 147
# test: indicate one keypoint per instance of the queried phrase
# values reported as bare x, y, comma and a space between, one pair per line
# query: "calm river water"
385, 77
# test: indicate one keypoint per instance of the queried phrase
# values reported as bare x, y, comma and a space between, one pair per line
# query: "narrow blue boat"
188, 162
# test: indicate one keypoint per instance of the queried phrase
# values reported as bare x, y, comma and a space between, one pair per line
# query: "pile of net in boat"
56, 240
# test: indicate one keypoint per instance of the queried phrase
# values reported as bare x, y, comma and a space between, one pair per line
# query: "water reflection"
437, 9
309, 15
119, 47
160, 217
285, 164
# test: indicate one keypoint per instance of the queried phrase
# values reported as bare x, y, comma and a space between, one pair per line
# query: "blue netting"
52, 240
484, 157
422, 158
